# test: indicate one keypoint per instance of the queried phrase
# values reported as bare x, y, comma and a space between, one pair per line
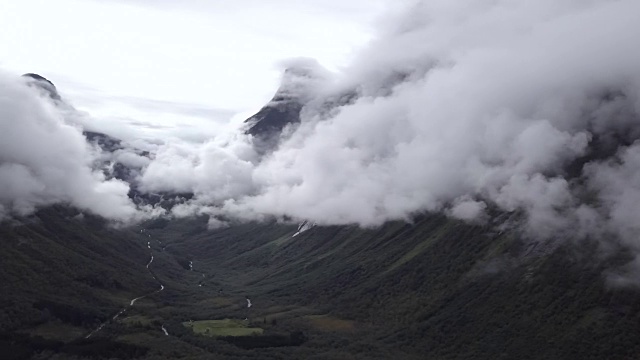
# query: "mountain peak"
42, 83
301, 81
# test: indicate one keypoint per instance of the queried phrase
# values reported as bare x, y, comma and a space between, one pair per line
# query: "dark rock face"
43, 83
104, 141
295, 91
111, 169
267, 125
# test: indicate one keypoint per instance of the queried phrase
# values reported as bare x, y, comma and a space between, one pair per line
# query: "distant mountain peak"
42, 83
301, 81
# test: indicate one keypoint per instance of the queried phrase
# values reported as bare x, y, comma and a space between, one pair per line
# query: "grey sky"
456, 107
212, 54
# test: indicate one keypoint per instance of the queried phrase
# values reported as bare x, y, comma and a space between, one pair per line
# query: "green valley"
435, 288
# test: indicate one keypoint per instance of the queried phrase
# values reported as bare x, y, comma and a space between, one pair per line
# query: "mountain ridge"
431, 285
284, 109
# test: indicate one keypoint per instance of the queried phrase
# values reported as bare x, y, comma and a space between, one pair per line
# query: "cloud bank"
520, 106
45, 159
525, 106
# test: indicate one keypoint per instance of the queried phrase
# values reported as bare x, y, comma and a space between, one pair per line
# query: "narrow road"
133, 301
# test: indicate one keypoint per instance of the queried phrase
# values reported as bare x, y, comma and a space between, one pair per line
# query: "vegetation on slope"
435, 288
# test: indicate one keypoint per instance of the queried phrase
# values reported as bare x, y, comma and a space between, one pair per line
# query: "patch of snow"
304, 226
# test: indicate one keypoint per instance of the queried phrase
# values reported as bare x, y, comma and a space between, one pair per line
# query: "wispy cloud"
174, 107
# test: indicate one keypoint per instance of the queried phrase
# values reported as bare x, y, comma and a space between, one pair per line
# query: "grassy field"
422, 246
220, 302
57, 331
330, 323
225, 327
136, 320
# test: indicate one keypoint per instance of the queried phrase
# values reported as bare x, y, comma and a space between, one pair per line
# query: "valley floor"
437, 289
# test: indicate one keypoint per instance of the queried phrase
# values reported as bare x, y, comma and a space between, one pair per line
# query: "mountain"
115, 155
106, 143
43, 84
429, 287
64, 273
284, 109
436, 287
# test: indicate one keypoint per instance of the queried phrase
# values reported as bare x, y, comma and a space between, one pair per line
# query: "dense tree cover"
435, 288
20, 346
265, 341
441, 288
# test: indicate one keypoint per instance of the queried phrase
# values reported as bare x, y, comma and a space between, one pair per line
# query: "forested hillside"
434, 288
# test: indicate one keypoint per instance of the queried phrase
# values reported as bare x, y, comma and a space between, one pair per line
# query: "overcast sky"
189, 65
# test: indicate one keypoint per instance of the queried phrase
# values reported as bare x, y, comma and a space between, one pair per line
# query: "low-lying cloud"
524, 106
45, 159
454, 107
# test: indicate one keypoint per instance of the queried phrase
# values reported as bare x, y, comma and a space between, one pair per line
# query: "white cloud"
457, 105
454, 107
465, 208
46, 160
